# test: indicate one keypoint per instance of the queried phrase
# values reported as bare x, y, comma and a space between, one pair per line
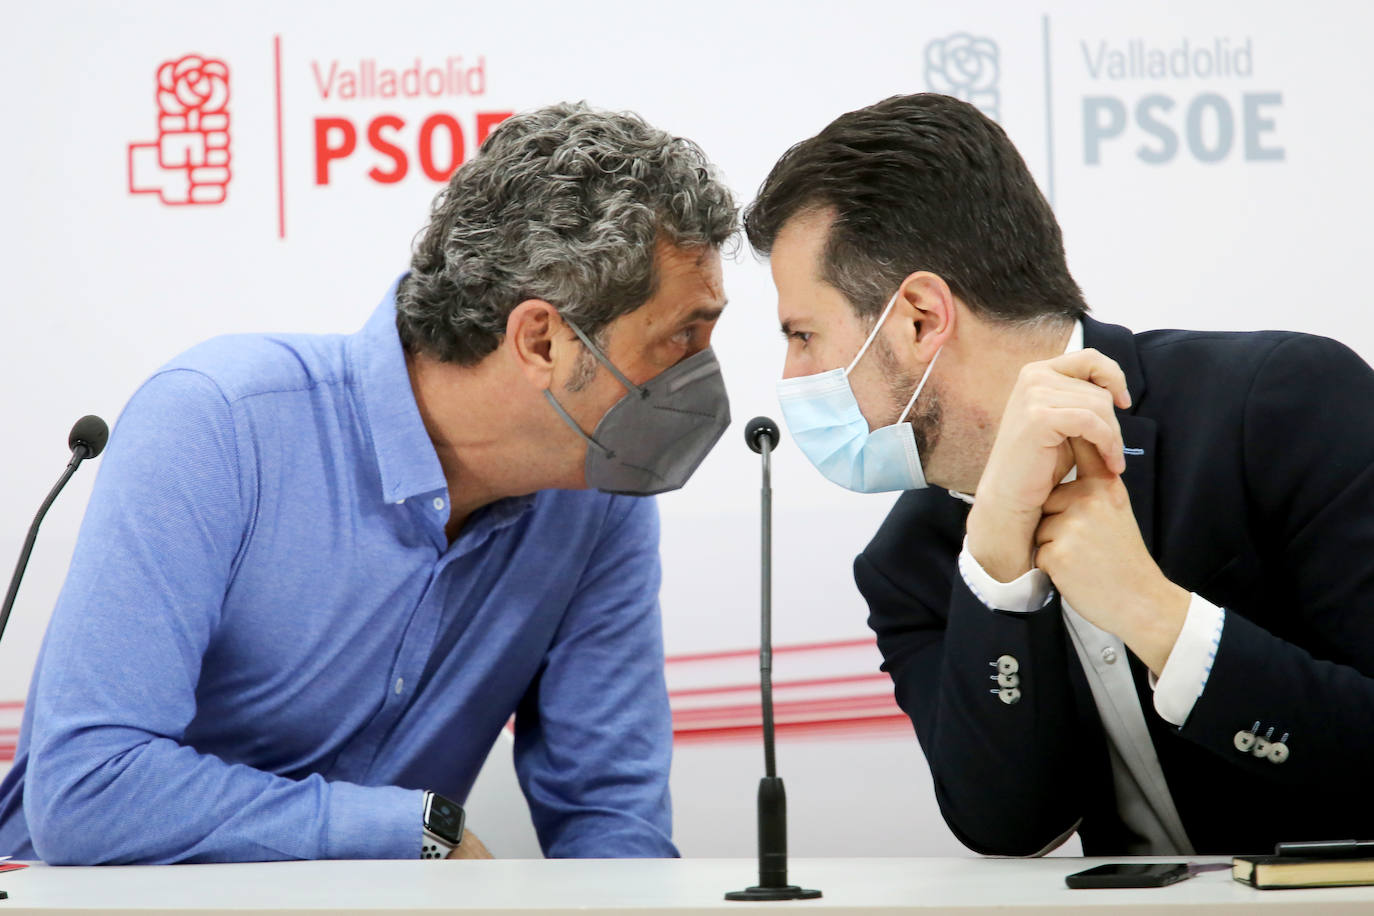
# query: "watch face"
445, 818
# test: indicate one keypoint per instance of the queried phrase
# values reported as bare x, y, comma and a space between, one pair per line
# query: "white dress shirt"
1142, 794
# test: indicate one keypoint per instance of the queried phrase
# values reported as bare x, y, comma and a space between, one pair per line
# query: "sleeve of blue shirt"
109, 779
594, 736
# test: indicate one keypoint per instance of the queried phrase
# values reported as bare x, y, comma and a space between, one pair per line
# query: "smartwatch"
443, 826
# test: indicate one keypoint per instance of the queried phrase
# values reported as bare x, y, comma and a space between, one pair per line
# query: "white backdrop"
1208, 160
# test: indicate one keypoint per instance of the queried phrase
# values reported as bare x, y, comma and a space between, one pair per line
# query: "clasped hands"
1081, 533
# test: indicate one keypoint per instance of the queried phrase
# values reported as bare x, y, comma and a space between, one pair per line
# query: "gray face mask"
653, 438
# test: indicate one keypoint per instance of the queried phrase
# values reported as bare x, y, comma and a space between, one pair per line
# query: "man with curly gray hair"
333, 568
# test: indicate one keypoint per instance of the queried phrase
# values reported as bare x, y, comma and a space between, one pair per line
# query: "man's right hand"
1071, 396
469, 847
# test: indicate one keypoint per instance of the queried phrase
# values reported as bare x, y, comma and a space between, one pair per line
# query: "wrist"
441, 826
1156, 624
1001, 541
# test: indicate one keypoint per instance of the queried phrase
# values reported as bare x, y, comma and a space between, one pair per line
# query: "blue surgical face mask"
826, 423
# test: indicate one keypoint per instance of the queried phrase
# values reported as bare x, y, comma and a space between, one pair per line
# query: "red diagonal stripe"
777, 650
782, 685
799, 708
869, 725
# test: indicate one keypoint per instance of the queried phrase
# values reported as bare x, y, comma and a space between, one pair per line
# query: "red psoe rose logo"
189, 161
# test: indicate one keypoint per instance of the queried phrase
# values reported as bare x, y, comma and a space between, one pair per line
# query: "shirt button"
400, 684
438, 503
1109, 655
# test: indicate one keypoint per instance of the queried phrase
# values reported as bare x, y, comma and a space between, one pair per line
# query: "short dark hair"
923, 182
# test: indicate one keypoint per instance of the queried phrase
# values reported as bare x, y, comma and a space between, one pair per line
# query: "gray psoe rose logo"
967, 68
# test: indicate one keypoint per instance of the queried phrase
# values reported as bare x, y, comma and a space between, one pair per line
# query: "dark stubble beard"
925, 413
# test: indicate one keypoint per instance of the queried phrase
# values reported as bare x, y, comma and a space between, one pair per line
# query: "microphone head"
761, 428
91, 432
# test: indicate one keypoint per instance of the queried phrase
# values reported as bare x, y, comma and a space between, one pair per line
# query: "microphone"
89, 433
87, 439
758, 431
761, 435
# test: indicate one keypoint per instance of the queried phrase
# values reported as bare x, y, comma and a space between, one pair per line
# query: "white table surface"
520, 886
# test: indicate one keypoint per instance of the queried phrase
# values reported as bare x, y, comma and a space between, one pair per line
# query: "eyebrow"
704, 313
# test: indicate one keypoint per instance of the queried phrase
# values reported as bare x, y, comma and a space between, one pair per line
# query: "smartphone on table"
1133, 874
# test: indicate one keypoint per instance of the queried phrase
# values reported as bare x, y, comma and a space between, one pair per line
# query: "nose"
703, 341
792, 366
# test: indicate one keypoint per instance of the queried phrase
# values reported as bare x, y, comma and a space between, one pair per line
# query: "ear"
533, 340
928, 307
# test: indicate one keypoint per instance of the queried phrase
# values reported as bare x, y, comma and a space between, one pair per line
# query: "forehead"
691, 272
800, 244
797, 261
689, 286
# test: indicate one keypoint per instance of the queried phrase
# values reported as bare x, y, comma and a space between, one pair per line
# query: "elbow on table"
1021, 847
58, 838
74, 819
1007, 833
64, 829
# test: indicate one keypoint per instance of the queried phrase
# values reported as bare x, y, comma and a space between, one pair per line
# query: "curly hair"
566, 204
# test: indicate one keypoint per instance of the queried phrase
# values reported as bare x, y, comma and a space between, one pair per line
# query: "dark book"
1268, 872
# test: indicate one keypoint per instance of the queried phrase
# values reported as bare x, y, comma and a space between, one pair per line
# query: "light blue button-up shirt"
266, 647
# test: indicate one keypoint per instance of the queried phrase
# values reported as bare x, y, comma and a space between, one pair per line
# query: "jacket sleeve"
1308, 674
1007, 775
109, 778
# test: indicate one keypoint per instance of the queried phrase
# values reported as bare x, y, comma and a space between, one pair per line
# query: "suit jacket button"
1278, 752
1010, 695
1007, 665
1008, 680
1261, 747
1244, 740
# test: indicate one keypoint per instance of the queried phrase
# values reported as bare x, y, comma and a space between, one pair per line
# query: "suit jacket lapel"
1137, 432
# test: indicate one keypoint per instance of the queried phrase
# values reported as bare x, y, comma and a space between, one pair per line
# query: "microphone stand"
87, 440
762, 436
77, 457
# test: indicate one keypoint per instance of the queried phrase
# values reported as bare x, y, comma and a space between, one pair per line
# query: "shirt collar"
1076, 338
1075, 344
405, 455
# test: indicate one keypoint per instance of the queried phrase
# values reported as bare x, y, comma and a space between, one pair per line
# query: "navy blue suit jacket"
1256, 491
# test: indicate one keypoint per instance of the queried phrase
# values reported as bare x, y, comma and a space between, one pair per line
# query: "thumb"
1088, 459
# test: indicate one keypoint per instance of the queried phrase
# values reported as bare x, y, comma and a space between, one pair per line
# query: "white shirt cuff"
1190, 663
1030, 591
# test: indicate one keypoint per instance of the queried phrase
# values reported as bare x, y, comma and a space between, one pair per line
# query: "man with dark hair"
318, 575
1145, 614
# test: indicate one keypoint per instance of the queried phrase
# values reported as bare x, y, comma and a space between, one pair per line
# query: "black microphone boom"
761, 435
87, 439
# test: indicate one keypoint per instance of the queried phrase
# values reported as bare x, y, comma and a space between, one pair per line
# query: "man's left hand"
1089, 544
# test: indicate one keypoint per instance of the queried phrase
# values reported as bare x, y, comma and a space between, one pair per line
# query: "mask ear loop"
919, 385
600, 357
872, 335
596, 352
567, 418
